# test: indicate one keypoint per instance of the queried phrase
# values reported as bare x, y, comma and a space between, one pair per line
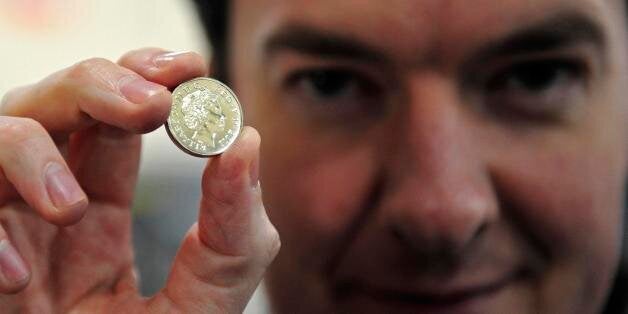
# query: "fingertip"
185, 64
254, 139
246, 146
14, 288
226, 168
68, 215
67, 200
137, 89
151, 113
241, 155
141, 56
250, 134
165, 67
14, 273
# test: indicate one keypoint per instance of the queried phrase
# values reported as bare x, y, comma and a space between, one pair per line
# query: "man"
417, 157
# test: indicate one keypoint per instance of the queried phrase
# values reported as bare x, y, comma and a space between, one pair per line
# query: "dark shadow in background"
618, 301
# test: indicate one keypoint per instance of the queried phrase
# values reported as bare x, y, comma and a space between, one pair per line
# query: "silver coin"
205, 118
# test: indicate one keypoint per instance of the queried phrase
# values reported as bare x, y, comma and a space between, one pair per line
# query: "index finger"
91, 91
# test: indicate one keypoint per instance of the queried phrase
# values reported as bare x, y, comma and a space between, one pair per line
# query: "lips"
447, 296
434, 295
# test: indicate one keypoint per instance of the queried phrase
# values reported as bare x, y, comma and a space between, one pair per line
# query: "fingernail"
63, 189
11, 264
138, 90
165, 59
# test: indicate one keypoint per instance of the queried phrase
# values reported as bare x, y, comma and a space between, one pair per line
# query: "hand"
69, 155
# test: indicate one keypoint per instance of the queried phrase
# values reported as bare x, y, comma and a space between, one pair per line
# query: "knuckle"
222, 195
93, 63
191, 63
13, 129
7, 99
89, 69
88, 65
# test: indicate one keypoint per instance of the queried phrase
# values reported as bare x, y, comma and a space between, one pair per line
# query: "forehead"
410, 28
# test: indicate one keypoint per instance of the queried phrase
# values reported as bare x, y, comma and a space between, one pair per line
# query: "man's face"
438, 156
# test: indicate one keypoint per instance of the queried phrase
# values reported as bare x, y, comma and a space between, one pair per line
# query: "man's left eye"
536, 89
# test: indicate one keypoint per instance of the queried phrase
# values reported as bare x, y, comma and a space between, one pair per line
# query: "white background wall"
40, 36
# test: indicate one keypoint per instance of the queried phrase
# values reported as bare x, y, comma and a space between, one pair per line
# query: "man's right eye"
335, 92
328, 84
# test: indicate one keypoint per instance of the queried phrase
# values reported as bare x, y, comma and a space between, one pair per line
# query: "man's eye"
333, 93
538, 76
536, 89
328, 84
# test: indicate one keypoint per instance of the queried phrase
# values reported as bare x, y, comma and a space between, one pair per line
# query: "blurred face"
436, 156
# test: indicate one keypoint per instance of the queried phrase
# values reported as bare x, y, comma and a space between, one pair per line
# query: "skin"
433, 178
74, 253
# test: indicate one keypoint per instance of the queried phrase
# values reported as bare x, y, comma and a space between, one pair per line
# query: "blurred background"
40, 37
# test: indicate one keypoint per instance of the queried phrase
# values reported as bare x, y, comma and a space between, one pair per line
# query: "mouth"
428, 298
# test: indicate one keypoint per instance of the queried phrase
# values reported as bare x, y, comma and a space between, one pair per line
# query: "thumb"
223, 257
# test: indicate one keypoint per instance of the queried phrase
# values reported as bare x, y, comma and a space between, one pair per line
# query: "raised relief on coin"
205, 117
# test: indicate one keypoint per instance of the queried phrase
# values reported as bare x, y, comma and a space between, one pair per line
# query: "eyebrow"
558, 31
312, 41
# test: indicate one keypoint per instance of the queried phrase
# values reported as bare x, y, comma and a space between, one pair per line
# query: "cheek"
578, 201
313, 192
568, 200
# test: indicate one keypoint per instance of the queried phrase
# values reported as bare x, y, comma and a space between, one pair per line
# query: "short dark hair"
214, 15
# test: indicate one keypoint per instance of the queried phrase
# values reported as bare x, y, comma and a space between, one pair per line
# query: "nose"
439, 196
